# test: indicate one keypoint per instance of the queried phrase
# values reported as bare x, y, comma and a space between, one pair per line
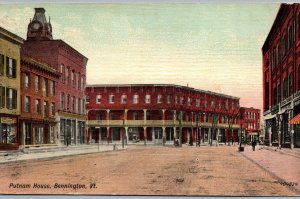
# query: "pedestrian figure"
253, 145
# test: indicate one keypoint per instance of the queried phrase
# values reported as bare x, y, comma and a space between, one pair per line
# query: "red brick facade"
250, 118
38, 102
160, 113
281, 77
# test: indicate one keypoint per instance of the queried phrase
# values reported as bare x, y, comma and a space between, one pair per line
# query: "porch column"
174, 134
209, 135
23, 134
164, 135
145, 135
291, 115
278, 120
270, 135
145, 116
153, 134
217, 137
108, 133
126, 135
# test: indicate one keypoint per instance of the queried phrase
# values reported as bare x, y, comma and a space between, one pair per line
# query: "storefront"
8, 132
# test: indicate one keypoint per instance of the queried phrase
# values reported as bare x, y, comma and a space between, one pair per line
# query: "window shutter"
2, 99
14, 68
7, 67
1, 64
14, 99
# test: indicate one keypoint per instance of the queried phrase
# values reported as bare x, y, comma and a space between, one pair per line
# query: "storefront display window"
8, 134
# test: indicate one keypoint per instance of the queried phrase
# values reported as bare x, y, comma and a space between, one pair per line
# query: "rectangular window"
62, 67
73, 104
79, 106
1, 65
135, 99
2, 97
277, 54
11, 98
37, 83
159, 99
212, 104
175, 99
45, 109
62, 100
147, 99
72, 78
82, 83
181, 100
26, 80
68, 102
98, 99
45, 87
111, 99
87, 99
123, 99
189, 101
52, 88
77, 80
27, 104
197, 102
169, 99
37, 106
52, 108
67, 76
11, 67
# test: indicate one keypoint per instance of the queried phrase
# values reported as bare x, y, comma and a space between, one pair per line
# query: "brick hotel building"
281, 79
159, 113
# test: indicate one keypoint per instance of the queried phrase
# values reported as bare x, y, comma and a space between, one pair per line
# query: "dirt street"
144, 171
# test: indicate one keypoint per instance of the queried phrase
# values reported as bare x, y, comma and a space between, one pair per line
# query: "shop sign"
8, 120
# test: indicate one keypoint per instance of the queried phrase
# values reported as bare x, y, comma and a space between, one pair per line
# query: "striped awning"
295, 120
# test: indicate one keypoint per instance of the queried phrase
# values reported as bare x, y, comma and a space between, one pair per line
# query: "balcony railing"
153, 123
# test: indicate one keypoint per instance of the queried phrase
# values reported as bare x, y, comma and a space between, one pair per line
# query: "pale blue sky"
213, 47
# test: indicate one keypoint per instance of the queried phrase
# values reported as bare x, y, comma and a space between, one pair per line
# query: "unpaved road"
143, 170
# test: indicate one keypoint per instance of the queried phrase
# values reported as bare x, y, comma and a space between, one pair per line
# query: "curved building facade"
160, 114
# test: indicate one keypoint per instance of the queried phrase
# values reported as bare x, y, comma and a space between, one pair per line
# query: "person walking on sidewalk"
253, 144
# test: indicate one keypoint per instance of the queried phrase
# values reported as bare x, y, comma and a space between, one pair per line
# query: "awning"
295, 120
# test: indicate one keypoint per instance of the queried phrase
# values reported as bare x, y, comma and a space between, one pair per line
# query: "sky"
214, 47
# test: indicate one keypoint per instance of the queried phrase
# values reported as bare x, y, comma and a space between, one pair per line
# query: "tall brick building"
250, 118
69, 90
38, 102
281, 78
160, 113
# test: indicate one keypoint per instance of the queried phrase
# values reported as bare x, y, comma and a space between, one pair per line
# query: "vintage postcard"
150, 99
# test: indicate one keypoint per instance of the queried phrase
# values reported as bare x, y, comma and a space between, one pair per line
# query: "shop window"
38, 132
11, 67
8, 133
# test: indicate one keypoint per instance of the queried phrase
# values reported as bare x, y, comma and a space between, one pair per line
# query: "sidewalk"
282, 164
44, 153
